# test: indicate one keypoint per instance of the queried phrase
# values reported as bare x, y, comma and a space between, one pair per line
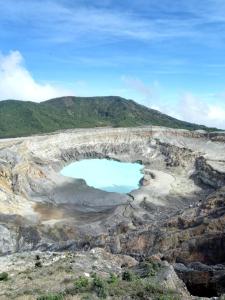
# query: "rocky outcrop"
7, 240
198, 233
202, 280
210, 172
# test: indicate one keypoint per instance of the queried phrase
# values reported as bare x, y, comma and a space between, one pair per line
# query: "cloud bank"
16, 82
194, 109
188, 107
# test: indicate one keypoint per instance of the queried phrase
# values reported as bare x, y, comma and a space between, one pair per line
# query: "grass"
51, 296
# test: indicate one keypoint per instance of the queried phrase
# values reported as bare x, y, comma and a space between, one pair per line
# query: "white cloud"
197, 110
209, 111
16, 82
217, 113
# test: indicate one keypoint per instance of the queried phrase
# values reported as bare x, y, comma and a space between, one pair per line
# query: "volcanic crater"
177, 213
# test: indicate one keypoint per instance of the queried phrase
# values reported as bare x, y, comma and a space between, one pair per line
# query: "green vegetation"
81, 284
4, 276
20, 118
128, 276
149, 268
137, 284
100, 286
113, 279
51, 297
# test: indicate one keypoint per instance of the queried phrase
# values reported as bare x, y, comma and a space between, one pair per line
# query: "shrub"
112, 279
38, 264
150, 268
81, 284
100, 286
128, 276
4, 276
154, 288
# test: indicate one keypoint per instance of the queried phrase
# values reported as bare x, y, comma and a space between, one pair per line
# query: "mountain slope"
20, 118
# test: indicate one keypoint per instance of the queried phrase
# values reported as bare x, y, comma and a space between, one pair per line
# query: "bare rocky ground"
177, 213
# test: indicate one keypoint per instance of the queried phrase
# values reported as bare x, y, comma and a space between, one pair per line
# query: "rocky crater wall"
177, 212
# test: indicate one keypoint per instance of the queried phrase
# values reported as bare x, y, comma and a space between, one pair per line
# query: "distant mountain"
21, 118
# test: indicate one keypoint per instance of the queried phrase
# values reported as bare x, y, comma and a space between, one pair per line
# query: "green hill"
21, 118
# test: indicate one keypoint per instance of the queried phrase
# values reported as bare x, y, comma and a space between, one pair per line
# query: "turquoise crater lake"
107, 175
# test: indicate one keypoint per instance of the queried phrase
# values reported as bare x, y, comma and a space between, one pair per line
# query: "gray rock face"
210, 172
203, 279
7, 240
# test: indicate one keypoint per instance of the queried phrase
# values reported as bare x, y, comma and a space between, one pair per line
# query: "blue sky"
165, 54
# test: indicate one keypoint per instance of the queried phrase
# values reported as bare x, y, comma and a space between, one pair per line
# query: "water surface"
107, 175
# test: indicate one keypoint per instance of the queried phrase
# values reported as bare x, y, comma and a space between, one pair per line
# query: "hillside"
21, 118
